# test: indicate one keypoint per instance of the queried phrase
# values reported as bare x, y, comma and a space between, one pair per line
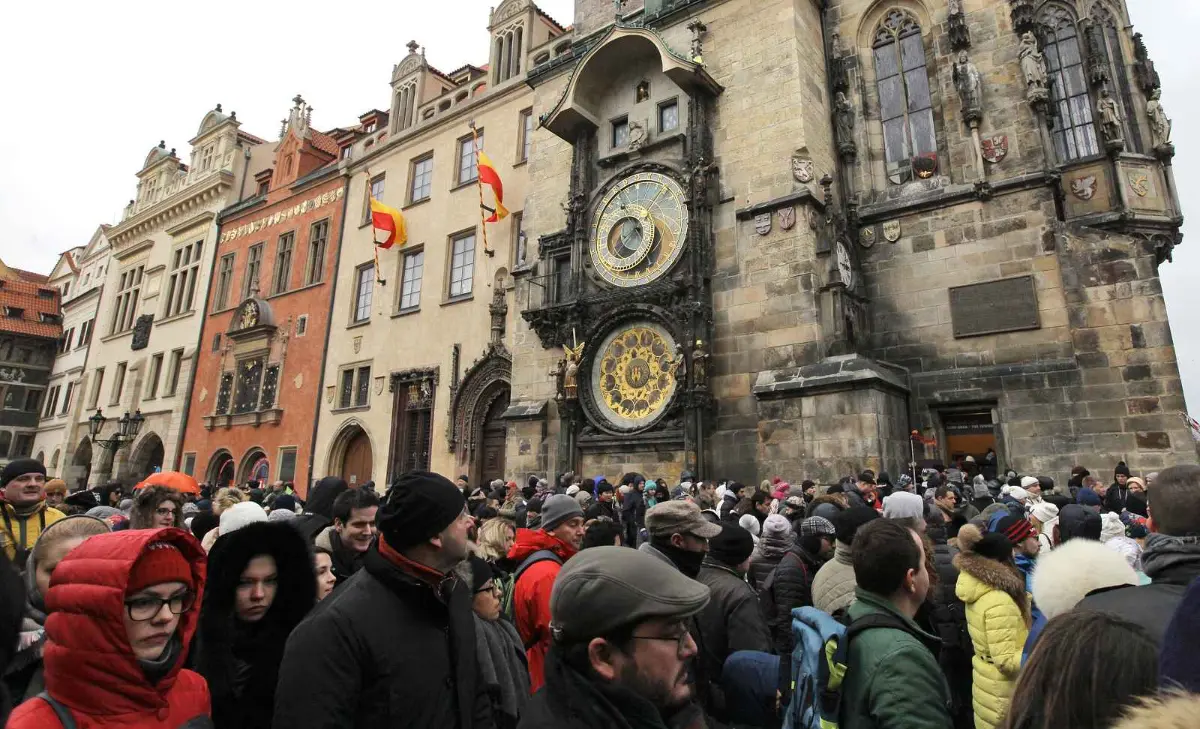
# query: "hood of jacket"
1174, 560
773, 546
320, 499
35, 601
222, 637
89, 664
529, 541
978, 575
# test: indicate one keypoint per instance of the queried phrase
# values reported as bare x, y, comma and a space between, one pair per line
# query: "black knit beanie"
418, 506
20, 467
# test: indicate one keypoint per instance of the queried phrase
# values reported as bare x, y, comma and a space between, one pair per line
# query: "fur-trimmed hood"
1063, 577
1168, 711
979, 575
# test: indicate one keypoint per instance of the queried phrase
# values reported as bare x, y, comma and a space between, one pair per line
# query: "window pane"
410, 290
895, 145
364, 386
462, 266
913, 51
620, 133
924, 140
347, 393
668, 117
885, 61
891, 98
918, 89
467, 168
362, 304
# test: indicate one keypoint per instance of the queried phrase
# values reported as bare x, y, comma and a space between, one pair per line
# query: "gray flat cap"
679, 517
604, 588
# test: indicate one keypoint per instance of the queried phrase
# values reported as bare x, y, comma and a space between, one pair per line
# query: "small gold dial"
633, 375
640, 229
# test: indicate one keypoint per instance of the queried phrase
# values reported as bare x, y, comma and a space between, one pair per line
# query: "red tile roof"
546, 15
24, 295
29, 276
325, 143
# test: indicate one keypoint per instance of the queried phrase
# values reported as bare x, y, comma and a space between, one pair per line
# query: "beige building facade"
79, 277
419, 358
148, 321
794, 233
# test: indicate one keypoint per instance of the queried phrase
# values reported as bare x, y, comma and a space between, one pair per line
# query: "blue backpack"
819, 664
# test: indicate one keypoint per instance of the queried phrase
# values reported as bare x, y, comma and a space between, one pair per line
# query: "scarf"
502, 664
1179, 556
605, 705
686, 561
158, 668
424, 573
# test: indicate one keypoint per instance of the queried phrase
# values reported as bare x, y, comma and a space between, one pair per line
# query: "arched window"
1071, 106
905, 106
1114, 60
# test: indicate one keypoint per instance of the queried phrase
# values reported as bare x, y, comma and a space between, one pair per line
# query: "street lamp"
127, 430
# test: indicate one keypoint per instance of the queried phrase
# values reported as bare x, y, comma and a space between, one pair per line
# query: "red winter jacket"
531, 596
89, 665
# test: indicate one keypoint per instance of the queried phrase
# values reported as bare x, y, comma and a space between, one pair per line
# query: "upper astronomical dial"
640, 229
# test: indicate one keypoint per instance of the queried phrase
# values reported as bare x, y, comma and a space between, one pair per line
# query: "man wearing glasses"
621, 646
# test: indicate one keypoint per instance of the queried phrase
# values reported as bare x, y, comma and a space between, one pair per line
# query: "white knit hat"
1018, 493
903, 505
749, 522
239, 515
775, 525
572, 490
1044, 512
1028, 481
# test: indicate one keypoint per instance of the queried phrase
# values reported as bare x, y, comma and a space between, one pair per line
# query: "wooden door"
356, 465
492, 443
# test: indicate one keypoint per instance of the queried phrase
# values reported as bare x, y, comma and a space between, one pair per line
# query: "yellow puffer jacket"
998, 625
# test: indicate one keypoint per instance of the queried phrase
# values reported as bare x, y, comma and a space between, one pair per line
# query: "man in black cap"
731, 621
398, 639
24, 509
621, 645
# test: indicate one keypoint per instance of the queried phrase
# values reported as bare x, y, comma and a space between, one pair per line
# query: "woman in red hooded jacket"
122, 610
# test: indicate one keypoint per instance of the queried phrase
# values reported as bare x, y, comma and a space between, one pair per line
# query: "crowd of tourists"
960, 598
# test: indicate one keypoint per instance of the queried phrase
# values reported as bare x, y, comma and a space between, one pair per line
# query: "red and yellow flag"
390, 221
490, 177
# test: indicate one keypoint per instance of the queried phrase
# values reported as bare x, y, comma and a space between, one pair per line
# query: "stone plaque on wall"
992, 307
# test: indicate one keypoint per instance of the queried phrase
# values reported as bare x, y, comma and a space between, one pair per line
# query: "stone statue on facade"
637, 136
1033, 67
1160, 125
556, 372
969, 84
844, 121
571, 379
1110, 121
700, 364
956, 26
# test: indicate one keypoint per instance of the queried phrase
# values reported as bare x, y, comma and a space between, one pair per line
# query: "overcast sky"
87, 97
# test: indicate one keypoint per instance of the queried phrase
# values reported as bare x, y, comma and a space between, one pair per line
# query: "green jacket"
893, 680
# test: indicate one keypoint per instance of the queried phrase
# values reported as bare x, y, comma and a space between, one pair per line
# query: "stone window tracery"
1074, 132
905, 102
1113, 61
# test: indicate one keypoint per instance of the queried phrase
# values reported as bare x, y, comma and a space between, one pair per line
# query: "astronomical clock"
635, 312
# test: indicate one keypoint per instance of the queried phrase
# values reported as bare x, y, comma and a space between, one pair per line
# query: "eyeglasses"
492, 588
164, 512
145, 607
681, 641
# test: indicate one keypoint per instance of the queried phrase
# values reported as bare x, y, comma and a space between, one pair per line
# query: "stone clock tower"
777, 237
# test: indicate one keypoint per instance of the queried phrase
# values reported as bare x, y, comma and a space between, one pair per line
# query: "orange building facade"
254, 401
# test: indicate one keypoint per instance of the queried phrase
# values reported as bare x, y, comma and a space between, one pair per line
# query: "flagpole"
375, 244
479, 184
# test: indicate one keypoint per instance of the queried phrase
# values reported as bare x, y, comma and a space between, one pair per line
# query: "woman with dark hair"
1087, 668
260, 586
156, 507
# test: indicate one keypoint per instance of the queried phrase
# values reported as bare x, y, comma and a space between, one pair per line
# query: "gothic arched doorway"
221, 470
147, 457
357, 458
493, 434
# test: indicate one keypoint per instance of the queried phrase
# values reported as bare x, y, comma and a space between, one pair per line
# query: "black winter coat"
241, 660
789, 587
730, 621
1172, 563
384, 650
571, 701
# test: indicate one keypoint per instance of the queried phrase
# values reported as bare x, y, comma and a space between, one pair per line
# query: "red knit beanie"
161, 562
